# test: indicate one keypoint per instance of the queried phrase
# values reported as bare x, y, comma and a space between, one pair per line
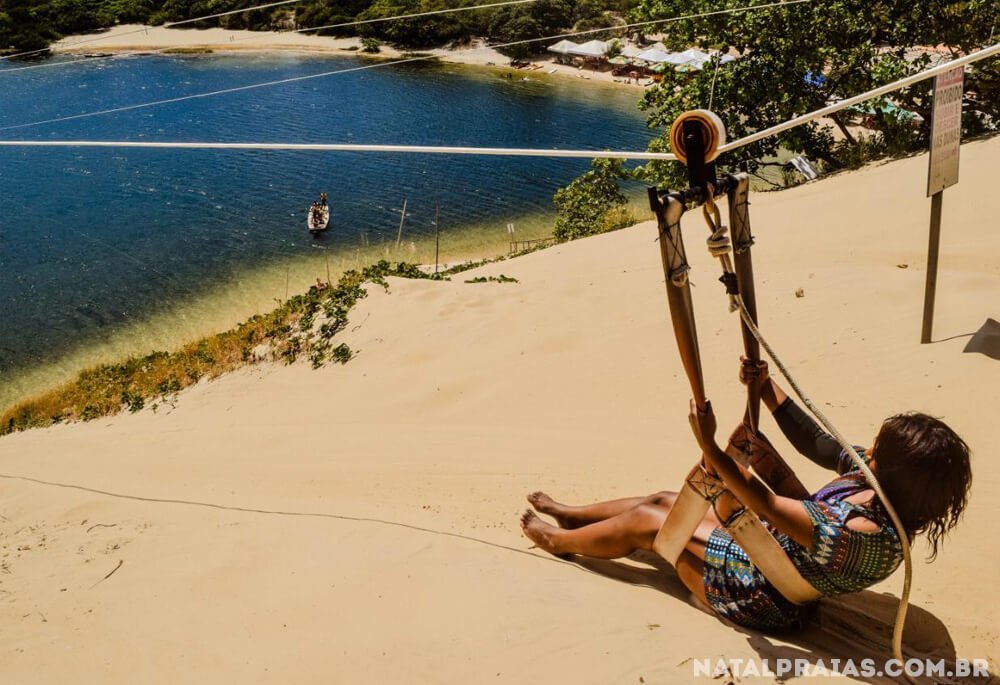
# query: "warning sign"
946, 131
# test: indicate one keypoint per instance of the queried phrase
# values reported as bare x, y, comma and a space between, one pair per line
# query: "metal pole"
437, 234
930, 287
402, 218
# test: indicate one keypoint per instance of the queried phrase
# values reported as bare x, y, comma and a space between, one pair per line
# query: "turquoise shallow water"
95, 241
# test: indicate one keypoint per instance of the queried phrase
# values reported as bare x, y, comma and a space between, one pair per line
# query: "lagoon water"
96, 244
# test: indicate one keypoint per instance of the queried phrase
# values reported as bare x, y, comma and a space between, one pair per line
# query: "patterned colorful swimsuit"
842, 559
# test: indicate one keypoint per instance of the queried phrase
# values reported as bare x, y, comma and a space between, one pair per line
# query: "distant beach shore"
136, 38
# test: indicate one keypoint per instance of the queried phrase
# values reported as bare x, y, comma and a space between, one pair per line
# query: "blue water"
91, 240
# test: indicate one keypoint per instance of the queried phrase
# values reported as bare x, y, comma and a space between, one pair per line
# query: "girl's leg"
618, 537
573, 517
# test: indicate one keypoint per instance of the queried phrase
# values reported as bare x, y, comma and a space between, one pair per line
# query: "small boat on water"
318, 218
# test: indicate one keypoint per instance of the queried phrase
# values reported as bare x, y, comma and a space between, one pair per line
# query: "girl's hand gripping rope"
751, 372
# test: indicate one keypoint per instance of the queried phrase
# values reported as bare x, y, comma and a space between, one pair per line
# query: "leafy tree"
593, 203
845, 46
524, 22
23, 26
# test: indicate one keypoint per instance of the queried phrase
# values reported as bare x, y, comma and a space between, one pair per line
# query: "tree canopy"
798, 58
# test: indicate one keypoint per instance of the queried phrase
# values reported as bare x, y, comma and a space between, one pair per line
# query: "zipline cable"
259, 34
495, 151
262, 34
145, 29
390, 63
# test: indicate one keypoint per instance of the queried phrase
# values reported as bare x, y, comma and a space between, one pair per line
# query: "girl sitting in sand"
840, 539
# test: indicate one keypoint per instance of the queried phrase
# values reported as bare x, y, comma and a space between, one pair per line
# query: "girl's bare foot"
544, 504
539, 532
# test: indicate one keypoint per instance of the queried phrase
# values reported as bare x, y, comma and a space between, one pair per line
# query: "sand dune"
358, 523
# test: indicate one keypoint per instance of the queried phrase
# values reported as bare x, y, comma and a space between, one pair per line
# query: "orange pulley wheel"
713, 133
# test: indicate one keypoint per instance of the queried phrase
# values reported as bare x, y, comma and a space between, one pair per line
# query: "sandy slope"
389, 550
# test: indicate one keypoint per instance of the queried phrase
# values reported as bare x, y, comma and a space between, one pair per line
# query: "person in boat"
322, 199
314, 214
840, 538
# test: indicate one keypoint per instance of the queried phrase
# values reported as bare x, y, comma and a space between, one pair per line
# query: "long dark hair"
924, 468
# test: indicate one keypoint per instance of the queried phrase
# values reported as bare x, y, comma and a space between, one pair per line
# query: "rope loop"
679, 275
719, 243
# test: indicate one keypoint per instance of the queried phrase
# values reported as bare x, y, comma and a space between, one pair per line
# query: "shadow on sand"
857, 626
986, 340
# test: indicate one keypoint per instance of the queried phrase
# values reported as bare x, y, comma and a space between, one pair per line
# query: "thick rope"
718, 246
897, 632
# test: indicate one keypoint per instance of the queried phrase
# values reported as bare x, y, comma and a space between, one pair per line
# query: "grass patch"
302, 326
492, 279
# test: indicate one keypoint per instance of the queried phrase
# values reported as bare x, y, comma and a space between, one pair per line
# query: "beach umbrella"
619, 60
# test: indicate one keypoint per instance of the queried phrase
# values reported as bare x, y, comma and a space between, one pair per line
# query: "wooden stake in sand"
402, 218
437, 234
942, 172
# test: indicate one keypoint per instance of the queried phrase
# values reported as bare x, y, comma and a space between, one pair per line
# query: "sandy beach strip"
359, 523
135, 38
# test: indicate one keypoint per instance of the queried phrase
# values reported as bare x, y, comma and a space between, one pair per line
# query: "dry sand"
131, 38
359, 523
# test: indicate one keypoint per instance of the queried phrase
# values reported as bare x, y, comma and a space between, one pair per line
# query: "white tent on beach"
660, 57
563, 47
592, 48
694, 58
631, 51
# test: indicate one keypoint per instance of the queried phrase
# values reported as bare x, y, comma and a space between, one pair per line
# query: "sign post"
942, 172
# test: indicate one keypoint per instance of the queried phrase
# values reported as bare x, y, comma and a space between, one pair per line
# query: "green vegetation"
188, 51
796, 59
303, 326
493, 279
593, 203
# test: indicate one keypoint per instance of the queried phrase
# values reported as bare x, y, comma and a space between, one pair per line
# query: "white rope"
428, 149
348, 147
411, 16
224, 91
256, 34
904, 599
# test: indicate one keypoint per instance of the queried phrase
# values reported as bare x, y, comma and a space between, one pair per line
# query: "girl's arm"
784, 513
802, 431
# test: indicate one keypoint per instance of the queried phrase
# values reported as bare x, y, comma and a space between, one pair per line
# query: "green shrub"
584, 205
